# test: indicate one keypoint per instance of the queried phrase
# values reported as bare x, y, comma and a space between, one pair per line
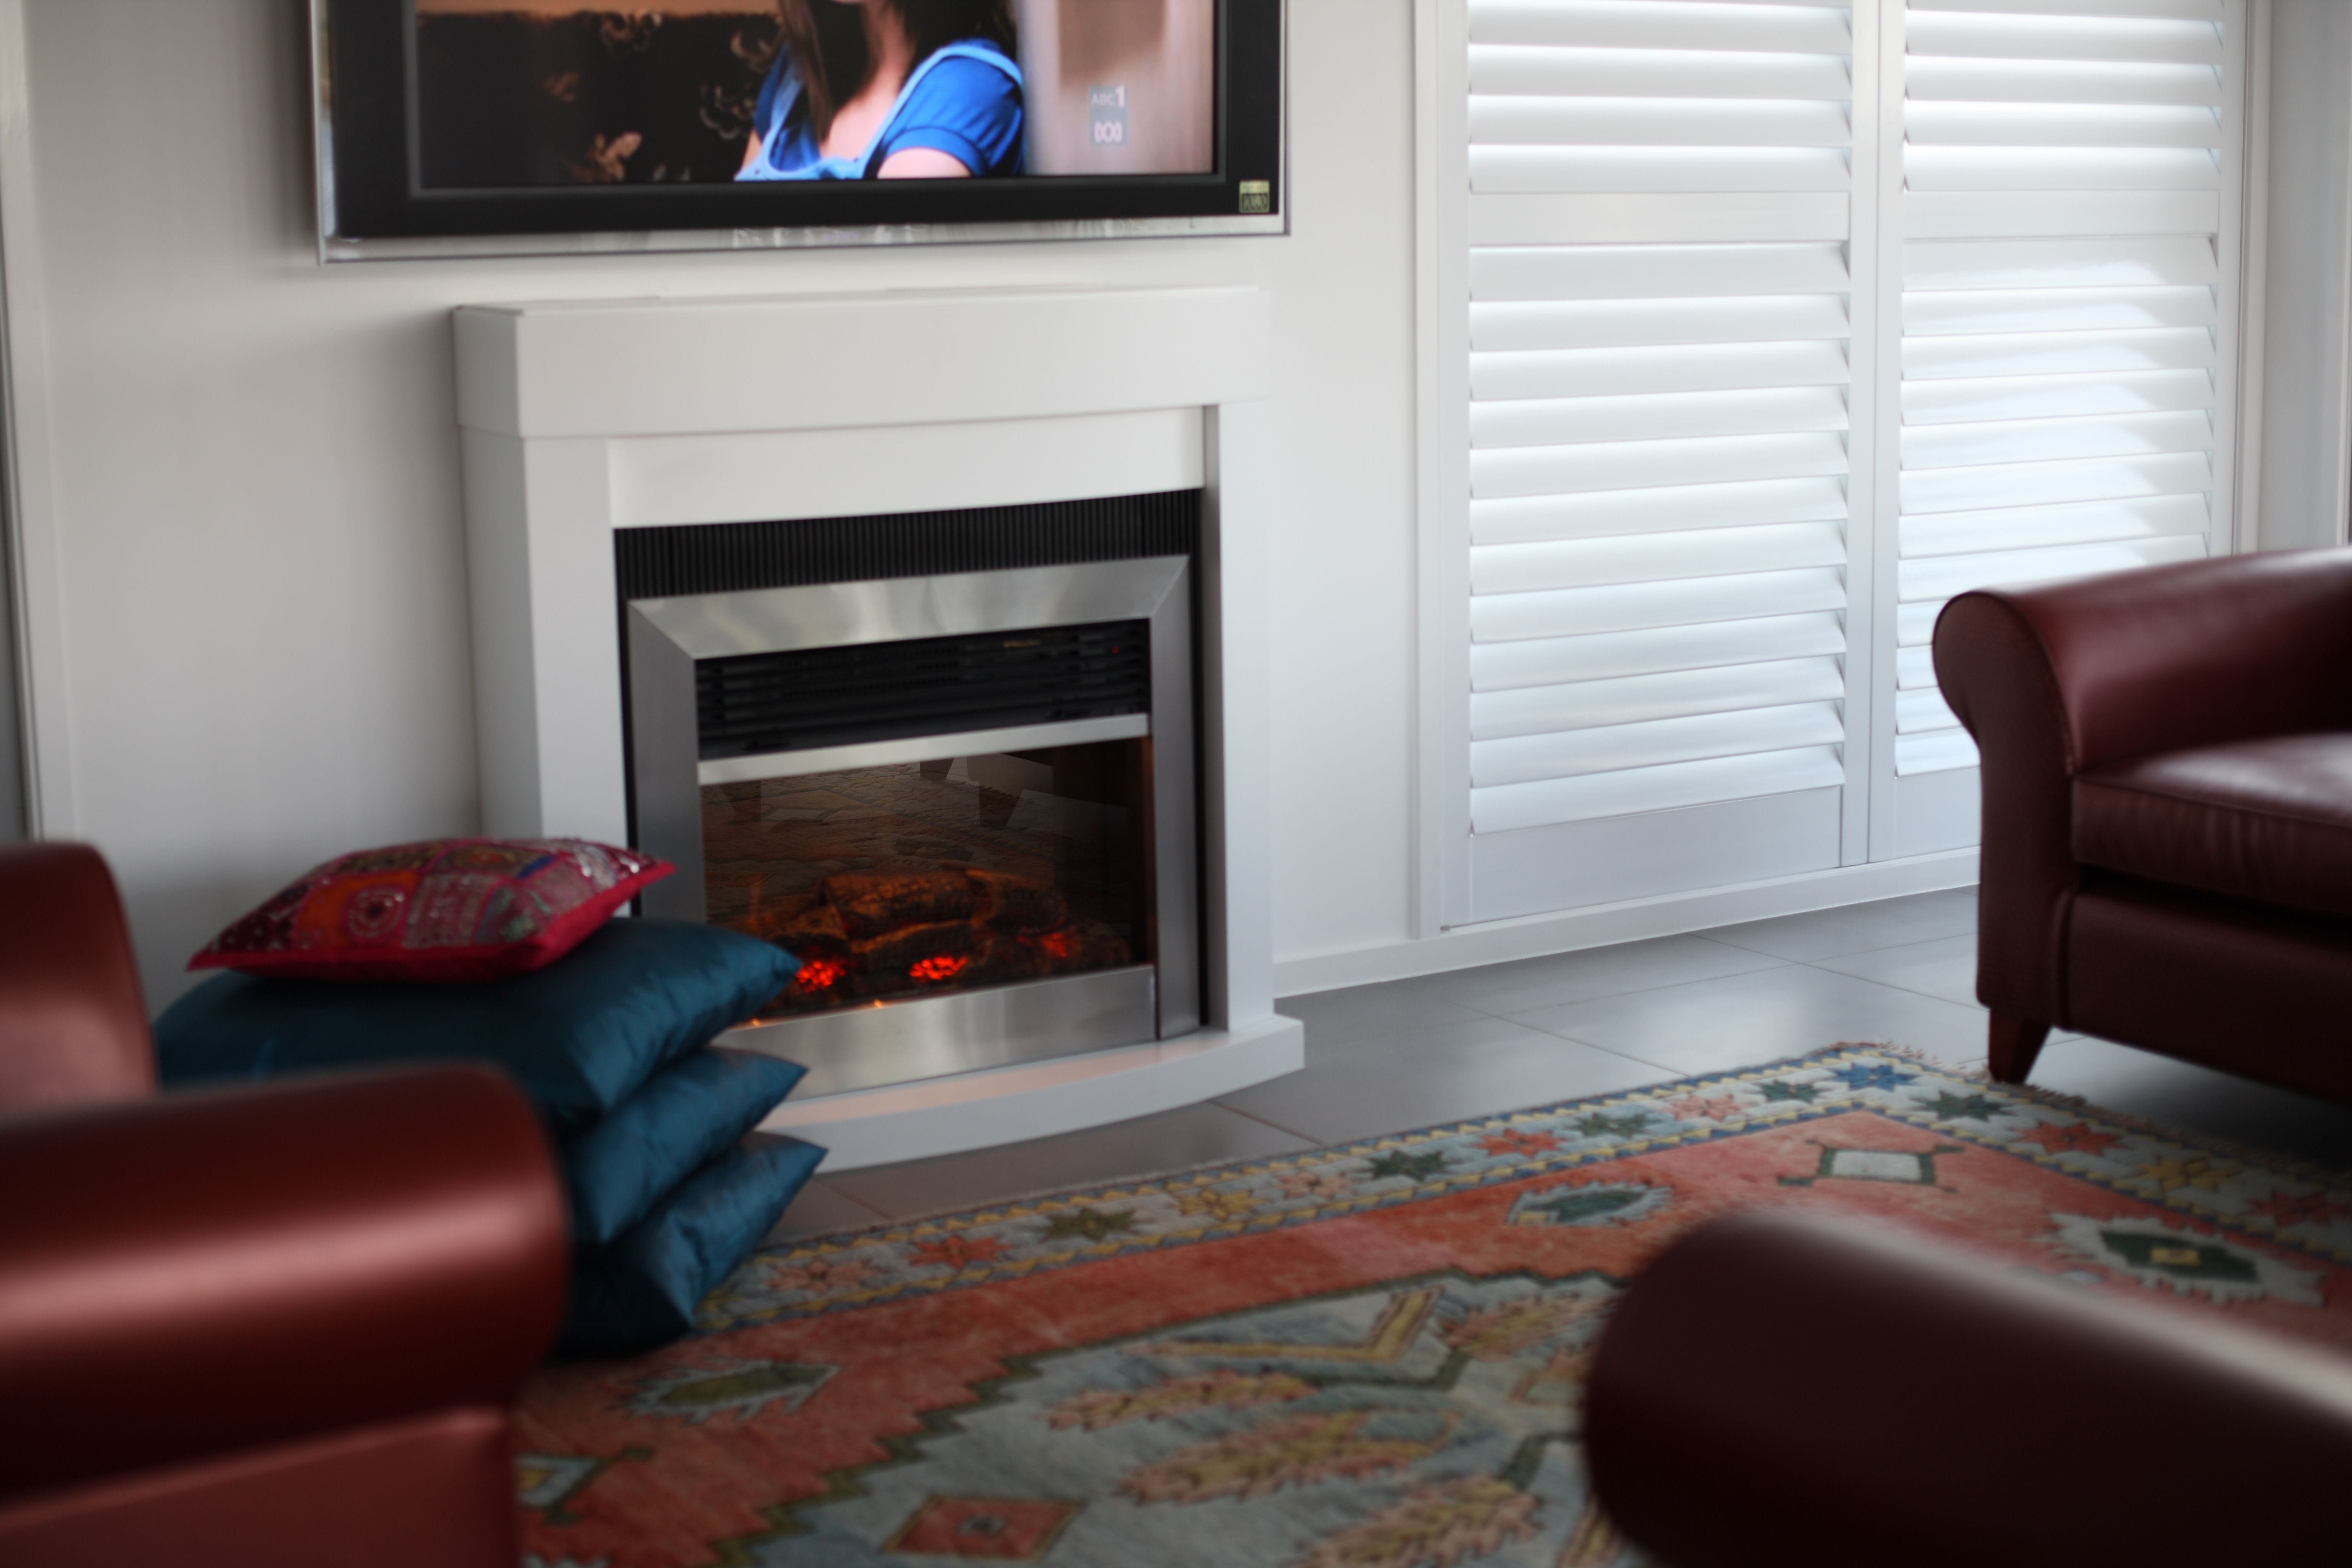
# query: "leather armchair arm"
2194, 655
1782, 1390
192, 1275
2051, 681
73, 1026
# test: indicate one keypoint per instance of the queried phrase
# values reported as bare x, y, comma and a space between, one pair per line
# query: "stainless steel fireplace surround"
675, 766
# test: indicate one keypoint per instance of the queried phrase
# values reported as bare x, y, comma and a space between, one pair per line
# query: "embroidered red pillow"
453, 910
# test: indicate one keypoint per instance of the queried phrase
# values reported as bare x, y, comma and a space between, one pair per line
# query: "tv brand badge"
1109, 106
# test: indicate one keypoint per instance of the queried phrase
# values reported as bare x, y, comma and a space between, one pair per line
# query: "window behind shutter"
1660, 381
2068, 304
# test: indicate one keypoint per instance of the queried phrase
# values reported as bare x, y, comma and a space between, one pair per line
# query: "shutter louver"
2061, 292
1660, 375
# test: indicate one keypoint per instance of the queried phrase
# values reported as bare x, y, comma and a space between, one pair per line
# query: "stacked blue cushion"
642, 1291
612, 1043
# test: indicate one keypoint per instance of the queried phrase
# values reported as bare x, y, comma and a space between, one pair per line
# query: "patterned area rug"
1366, 1357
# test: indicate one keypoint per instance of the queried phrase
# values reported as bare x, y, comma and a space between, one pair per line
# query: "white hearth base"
1039, 1100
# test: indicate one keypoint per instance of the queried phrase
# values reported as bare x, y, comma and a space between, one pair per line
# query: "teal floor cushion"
683, 1117
581, 1036
642, 1291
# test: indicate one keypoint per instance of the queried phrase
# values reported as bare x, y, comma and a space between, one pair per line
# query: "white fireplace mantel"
582, 417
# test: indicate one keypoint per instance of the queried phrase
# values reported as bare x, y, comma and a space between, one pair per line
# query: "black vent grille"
755, 703
731, 557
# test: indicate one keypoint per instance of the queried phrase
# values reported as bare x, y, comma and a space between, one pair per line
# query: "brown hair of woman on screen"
828, 38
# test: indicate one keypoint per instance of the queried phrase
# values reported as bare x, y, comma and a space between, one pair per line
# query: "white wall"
260, 587
2307, 458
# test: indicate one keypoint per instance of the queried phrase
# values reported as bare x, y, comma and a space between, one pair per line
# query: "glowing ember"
1054, 944
943, 967
819, 974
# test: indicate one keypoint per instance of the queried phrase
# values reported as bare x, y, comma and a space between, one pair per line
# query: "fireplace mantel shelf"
580, 417
822, 361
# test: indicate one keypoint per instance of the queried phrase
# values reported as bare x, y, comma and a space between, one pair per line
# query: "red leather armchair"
2167, 811
1874, 1400
265, 1327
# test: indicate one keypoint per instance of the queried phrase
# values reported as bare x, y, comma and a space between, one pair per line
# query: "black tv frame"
370, 193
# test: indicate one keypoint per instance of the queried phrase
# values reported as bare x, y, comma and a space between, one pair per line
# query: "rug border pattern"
1044, 1205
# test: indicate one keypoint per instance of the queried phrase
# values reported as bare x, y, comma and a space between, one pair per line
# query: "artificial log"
1010, 903
875, 903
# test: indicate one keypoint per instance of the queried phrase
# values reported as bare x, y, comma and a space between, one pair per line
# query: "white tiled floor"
1413, 1053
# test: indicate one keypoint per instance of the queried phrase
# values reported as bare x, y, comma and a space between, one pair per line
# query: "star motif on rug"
1094, 1225
1957, 1107
2073, 1138
1412, 1167
1874, 1075
1704, 1107
1781, 1093
2171, 1173
1218, 1206
1605, 1126
960, 1251
1323, 1186
818, 1275
1503, 1145
2284, 1209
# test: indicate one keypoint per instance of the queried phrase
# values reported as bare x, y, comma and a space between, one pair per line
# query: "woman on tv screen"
888, 89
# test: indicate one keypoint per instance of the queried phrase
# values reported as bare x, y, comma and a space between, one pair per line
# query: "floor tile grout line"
1587, 1045
1599, 996
1636, 991
1822, 965
1819, 965
882, 1215
1826, 957
856, 1203
1612, 1051
1265, 1121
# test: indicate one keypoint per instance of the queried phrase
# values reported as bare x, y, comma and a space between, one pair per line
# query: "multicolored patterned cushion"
451, 910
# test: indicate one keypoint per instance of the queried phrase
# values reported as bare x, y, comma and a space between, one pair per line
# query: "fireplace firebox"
965, 801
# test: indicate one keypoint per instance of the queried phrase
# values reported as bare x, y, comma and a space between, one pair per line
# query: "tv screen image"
488, 117
549, 93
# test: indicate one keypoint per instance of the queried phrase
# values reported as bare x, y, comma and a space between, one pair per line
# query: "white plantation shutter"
2067, 296
1659, 380
1745, 396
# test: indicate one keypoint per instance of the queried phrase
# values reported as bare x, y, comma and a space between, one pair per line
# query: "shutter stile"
1660, 382
2060, 398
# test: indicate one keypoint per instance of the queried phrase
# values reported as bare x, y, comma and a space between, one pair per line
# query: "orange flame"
942, 967
819, 974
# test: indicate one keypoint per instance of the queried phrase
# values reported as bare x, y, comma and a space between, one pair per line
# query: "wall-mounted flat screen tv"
472, 125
